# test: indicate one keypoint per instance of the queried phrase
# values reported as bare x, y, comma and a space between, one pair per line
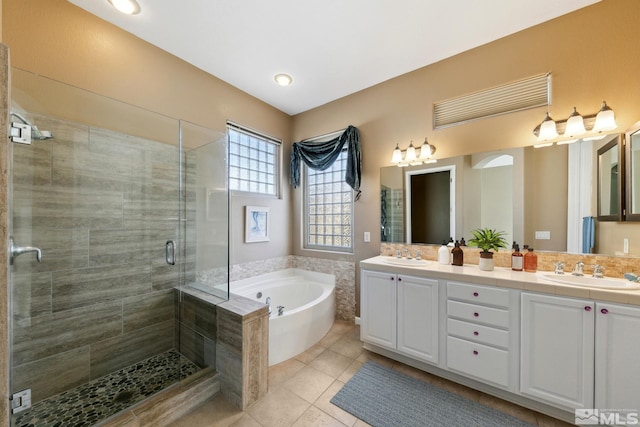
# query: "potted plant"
487, 240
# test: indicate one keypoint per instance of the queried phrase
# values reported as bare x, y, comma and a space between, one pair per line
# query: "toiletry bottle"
443, 254
462, 242
457, 254
530, 261
450, 245
516, 259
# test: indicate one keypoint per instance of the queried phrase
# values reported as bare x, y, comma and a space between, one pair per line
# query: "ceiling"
331, 48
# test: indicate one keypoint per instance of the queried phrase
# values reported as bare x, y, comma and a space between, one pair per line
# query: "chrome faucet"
398, 253
559, 268
407, 253
598, 271
577, 269
280, 310
418, 255
268, 302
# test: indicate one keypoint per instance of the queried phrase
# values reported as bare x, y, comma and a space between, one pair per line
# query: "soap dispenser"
457, 254
443, 254
530, 261
516, 259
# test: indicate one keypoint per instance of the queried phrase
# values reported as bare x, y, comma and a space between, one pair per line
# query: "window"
329, 208
253, 161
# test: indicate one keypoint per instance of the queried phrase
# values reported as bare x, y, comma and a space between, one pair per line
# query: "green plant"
487, 239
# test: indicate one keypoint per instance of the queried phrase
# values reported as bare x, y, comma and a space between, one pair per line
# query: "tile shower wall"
100, 205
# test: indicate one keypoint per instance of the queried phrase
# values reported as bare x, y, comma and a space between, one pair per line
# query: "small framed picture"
256, 224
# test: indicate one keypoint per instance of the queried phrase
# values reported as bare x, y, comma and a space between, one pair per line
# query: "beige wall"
591, 54
58, 40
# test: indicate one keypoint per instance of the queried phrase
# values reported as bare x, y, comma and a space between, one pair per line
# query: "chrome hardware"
598, 271
280, 310
398, 253
559, 268
268, 303
21, 401
170, 252
407, 253
20, 133
577, 269
418, 255
14, 251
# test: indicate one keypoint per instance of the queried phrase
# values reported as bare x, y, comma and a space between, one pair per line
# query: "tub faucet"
598, 271
577, 269
559, 268
280, 310
268, 302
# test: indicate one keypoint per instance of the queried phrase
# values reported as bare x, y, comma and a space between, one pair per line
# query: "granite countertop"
504, 278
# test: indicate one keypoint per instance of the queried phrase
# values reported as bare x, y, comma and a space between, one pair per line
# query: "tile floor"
300, 390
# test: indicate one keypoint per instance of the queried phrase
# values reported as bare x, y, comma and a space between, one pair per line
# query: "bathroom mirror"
632, 167
553, 190
610, 181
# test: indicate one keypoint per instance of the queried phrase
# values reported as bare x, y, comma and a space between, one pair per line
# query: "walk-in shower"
96, 316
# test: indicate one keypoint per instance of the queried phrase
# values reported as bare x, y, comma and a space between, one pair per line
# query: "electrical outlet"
543, 235
367, 236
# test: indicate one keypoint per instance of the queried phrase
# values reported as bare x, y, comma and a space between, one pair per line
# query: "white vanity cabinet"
557, 339
479, 328
617, 359
400, 312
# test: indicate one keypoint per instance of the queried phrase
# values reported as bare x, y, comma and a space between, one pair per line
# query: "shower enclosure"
115, 209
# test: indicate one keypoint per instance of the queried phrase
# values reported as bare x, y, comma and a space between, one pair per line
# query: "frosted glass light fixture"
396, 157
575, 125
605, 119
410, 156
548, 129
129, 7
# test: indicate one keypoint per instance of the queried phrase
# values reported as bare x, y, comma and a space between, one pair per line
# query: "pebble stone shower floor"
103, 397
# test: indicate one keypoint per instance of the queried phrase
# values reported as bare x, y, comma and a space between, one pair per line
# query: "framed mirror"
610, 181
632, 169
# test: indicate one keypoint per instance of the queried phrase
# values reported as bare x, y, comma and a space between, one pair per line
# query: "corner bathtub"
309, 308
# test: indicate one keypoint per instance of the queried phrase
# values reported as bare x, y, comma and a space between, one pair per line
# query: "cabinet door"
617, 364
418, 318
557, 350
378, 308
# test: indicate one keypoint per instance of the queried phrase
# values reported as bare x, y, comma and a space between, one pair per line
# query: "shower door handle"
170, 252
14, 251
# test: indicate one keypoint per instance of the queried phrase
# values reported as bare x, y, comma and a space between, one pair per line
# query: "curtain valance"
321, 155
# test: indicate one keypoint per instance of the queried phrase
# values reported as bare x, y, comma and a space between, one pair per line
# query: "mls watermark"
607, 417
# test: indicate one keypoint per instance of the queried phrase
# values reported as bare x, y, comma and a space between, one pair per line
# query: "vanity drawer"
477, 360
478, 314
478, 294
478, 333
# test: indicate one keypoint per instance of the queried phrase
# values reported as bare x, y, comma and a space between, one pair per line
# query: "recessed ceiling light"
130, 7
283, 79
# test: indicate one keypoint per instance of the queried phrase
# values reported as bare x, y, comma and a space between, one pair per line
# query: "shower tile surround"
100, 205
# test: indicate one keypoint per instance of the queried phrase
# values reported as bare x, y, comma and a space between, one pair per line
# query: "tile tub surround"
101, 206
615, 266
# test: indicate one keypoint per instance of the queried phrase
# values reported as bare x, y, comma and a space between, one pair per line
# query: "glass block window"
253, 162
329, 208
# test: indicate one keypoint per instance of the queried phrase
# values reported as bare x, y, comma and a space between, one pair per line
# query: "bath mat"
386, 398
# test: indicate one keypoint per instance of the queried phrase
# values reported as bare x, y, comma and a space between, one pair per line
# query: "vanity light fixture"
411, 156
576, 127
129, 7
283, 79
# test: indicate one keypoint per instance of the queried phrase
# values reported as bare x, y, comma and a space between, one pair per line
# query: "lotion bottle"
530, 261
457, 254
443, 254
516, 259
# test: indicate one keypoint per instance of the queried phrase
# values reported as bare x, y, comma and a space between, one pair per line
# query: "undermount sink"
592, 282
406, 262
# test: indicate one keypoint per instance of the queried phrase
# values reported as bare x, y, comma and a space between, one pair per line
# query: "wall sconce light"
413, 157
589, 127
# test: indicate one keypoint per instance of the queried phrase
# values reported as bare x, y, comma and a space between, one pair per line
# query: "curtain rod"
326, 135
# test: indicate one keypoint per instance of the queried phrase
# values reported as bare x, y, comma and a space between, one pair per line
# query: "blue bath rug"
384, 397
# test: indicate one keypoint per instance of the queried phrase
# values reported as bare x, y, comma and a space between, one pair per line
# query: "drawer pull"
476, 333
475, 352
475, 294
476, 314
604, 311
587, 308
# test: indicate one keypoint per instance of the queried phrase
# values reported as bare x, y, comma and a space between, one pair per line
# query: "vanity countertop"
504, 278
